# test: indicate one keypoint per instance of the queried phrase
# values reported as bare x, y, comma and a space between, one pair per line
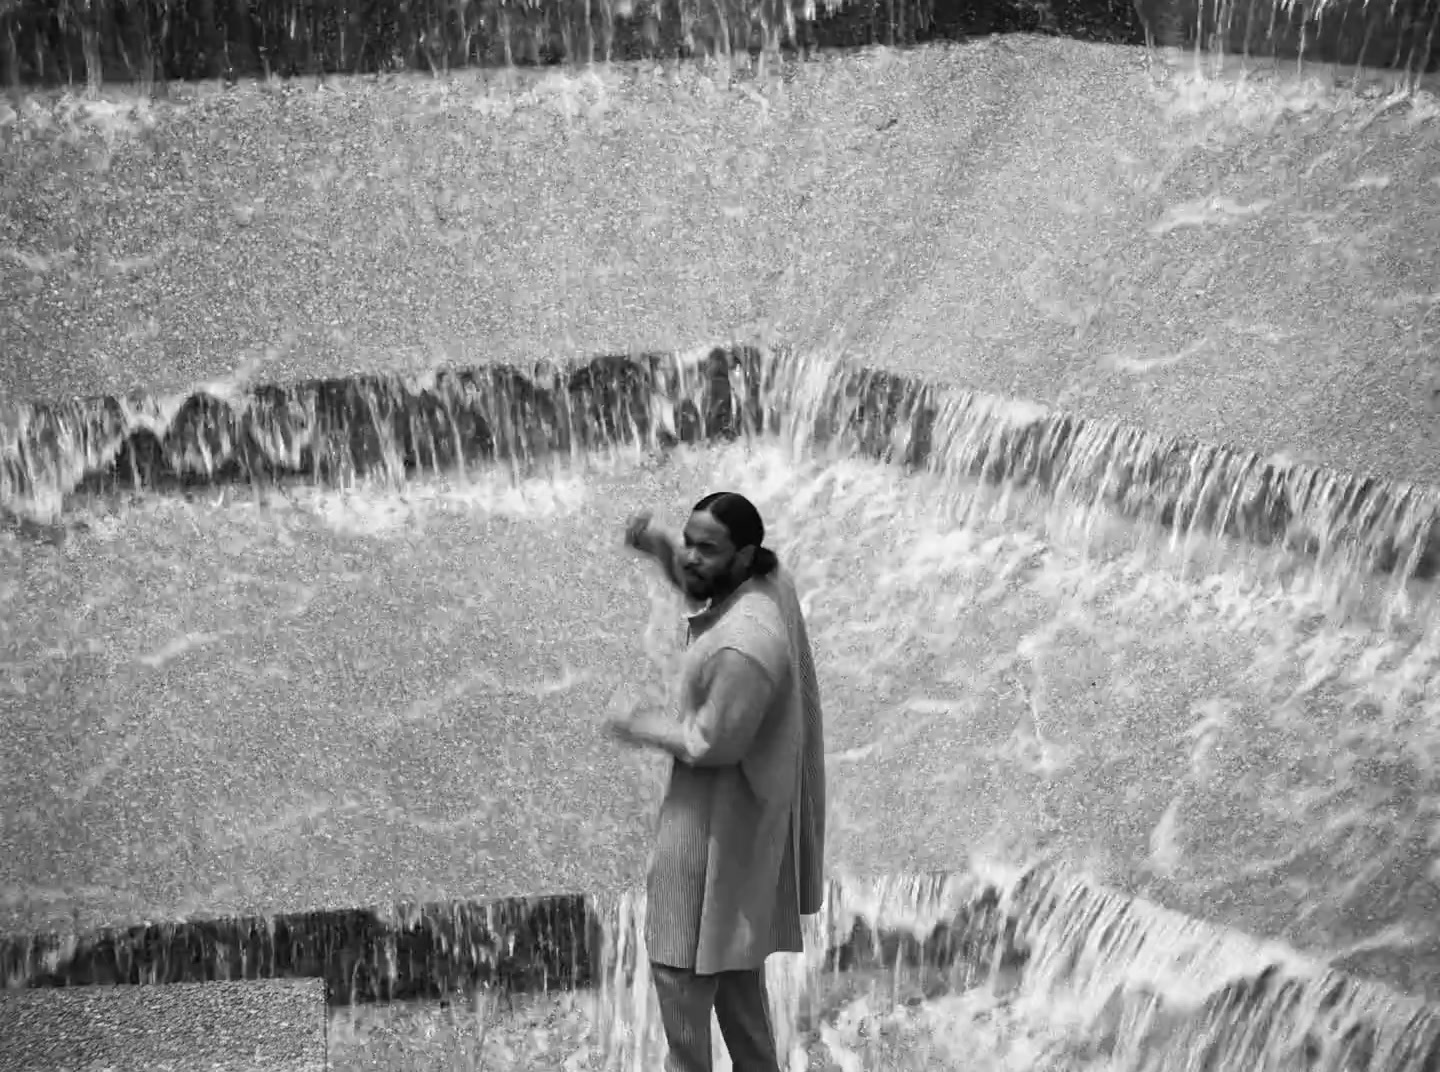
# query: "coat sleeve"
721, 731
751, 662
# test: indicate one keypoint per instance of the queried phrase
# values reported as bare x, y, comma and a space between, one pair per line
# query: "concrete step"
276, 1025
401, 426
1212, 997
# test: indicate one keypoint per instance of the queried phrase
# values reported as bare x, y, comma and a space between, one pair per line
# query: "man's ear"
746, 557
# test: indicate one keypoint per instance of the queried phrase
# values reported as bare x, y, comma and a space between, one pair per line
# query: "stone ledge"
434, 950
360, 954
270, 1026
332, 431
1043, 931
336, 430
1368, 523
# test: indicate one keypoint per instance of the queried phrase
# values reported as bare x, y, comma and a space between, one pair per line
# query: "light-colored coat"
739, 853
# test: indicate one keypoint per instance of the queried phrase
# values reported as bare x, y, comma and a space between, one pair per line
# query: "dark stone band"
362, 954
408, 951
1397, 35
334, 430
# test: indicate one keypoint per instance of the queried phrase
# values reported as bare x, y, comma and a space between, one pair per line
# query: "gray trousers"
741, 1006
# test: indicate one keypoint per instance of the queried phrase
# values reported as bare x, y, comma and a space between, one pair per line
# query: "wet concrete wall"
372, 426
1395, 36
205, 39
1233, 259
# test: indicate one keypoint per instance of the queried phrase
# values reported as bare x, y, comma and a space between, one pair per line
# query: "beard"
703, 587
697, 588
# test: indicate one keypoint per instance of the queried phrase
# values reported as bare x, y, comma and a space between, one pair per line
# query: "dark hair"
742, 521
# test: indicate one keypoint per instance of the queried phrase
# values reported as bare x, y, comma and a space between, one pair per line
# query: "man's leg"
743, 1008
686, 1001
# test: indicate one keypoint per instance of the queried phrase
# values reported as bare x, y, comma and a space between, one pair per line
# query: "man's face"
709, 564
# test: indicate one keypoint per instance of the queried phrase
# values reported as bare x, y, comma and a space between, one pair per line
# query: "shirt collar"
706, 616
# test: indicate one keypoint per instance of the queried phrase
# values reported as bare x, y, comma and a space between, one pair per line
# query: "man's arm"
650, 539
722, 730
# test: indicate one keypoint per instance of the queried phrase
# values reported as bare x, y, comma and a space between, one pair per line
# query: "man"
739, 852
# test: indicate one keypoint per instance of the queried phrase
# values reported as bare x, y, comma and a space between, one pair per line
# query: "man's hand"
635, 721
619, 724
648, 728
637, 532
652, 540
621, 728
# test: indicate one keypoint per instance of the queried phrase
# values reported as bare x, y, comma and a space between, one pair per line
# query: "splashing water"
1102, 983
1079, 979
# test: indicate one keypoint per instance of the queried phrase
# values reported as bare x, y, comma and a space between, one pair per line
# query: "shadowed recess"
66, 43
1393, 36
396, 428
401, 952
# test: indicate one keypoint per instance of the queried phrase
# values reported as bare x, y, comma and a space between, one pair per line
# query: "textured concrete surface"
271, 1026
1242, 259
325, 760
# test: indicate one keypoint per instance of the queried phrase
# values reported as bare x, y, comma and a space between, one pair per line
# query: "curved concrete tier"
362, 954
335, 430
1208, 993
1368, 522
395, 427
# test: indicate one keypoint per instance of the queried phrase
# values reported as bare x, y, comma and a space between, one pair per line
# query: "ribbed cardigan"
739, 853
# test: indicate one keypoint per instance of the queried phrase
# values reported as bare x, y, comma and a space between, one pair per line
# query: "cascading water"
1105, 981
392, 427
380, 427
371, 676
